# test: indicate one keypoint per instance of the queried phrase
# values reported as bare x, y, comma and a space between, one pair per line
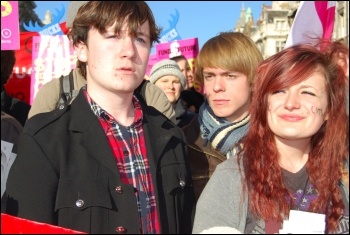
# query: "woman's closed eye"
278, 91
308, 93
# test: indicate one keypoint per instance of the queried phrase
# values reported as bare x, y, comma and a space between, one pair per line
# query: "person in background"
183, 65
97, 165
225, 65
190, 78
167, 75
11, 105
11, 128
191, 100
294, 156
186, 70
49, 95
189, 91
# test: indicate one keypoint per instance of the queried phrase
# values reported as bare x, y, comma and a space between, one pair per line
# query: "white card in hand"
302, 222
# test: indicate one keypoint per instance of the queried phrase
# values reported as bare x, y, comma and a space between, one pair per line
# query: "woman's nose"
292, 101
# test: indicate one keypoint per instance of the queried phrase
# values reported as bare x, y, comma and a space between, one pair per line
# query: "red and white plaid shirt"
129, 148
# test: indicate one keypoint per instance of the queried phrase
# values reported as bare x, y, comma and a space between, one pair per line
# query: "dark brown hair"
102, 14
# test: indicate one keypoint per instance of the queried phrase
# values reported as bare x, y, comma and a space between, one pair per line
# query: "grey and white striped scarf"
220, 133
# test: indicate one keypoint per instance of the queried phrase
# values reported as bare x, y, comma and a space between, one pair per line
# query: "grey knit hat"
167, 67
73, 8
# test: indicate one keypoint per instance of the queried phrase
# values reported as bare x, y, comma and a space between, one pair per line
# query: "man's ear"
81, 52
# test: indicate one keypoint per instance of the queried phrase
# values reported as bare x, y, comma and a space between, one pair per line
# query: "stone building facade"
271, 30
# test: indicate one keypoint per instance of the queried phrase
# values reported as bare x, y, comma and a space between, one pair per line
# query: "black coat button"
182, 183
119, 189
79, 203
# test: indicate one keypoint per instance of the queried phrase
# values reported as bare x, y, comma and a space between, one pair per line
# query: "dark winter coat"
65, 174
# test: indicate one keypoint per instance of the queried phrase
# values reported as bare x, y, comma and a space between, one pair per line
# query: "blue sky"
204, 19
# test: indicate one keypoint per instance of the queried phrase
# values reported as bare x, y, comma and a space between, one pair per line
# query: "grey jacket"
222, 202
223, 205
47, 97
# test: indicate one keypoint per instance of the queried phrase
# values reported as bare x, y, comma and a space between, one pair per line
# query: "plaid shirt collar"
101, 113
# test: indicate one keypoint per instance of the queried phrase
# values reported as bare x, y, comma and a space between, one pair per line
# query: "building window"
280, 45
280, 24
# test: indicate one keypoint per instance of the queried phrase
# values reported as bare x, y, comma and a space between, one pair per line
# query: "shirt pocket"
83, 204
81, 194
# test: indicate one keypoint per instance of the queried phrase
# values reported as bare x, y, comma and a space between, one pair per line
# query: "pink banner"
186, 47
52, 57
9, 26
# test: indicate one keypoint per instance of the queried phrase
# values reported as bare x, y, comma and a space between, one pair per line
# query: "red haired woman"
295, 154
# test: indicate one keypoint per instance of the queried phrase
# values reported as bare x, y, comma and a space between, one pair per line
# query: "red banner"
15, 225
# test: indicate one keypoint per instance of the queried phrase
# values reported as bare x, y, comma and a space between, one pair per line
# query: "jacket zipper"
221, 159
200, 177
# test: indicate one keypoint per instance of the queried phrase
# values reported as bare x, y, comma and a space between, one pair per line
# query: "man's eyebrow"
225, 72
139, 33
208, 72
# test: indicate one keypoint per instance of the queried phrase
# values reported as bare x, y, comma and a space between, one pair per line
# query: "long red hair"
329, 146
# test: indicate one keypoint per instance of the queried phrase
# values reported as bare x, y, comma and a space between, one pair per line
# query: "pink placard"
186, 47
9, 26
52, 57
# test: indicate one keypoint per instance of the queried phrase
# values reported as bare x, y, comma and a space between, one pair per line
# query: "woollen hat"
167, 67
72, 11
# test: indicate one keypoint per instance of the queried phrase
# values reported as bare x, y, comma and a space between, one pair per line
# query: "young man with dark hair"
49, 95
97, 166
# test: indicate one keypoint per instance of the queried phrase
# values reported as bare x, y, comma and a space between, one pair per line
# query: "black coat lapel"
93, 136
156, 128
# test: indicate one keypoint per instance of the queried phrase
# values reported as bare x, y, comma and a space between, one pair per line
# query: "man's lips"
126, 70
220, 102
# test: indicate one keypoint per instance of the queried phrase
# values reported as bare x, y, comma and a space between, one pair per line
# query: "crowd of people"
129, 155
